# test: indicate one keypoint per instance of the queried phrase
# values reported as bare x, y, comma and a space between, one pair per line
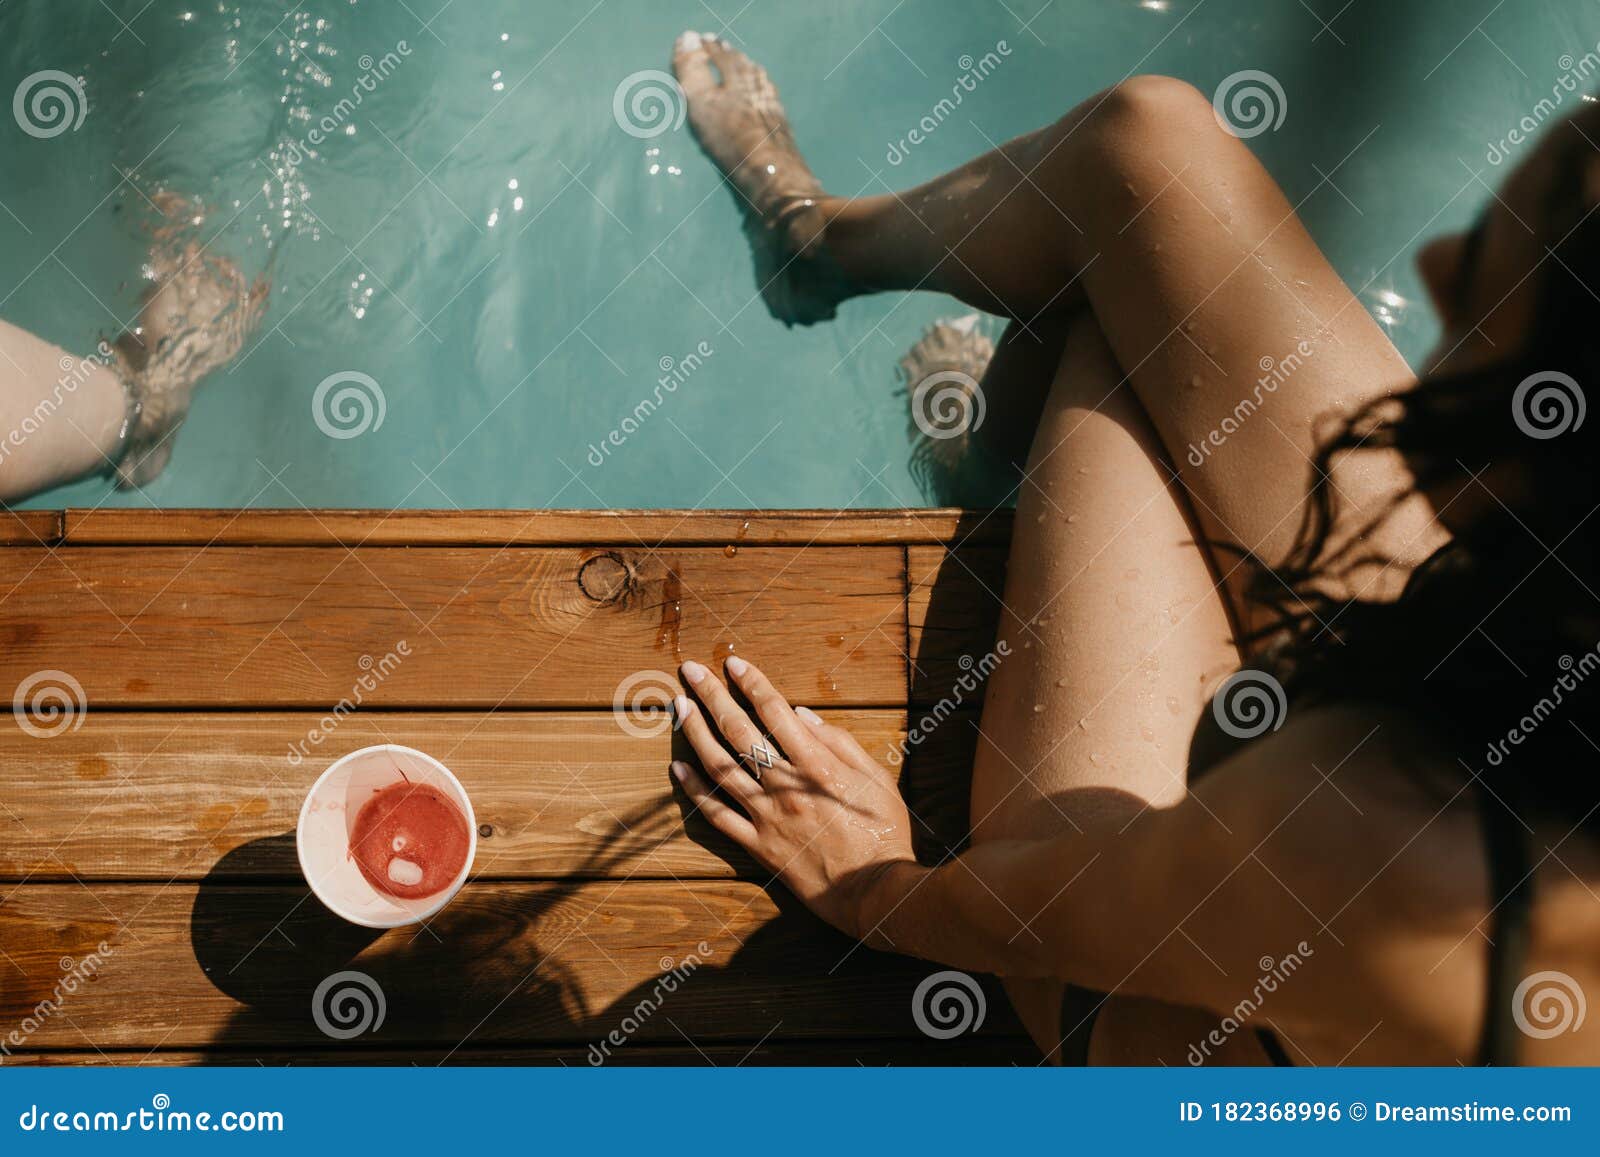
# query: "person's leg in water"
63, 417
1139, 205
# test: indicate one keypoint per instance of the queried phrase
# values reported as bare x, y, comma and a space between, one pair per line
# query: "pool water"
459, 224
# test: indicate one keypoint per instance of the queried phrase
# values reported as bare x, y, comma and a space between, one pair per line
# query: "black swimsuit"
1511, 896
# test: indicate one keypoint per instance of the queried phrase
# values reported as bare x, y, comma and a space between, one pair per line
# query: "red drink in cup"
386, 836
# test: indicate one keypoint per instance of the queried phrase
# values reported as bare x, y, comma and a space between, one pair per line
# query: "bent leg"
1236, 334
1113, 623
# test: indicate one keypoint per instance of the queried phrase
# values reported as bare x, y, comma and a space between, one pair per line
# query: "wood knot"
606, 578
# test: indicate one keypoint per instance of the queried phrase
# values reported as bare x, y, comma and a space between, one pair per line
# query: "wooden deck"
204, 650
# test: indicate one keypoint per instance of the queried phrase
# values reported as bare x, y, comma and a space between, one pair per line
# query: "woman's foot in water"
941, 375
197, 315
736, 117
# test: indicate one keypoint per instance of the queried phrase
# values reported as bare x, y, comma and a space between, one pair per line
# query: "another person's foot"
196, 317
736, 117
941, 375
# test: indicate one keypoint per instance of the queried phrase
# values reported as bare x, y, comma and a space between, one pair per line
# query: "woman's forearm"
999, 907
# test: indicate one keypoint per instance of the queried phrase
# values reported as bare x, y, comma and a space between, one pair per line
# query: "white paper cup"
322, 838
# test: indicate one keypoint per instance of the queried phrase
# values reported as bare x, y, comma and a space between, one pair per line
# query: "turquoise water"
480, 237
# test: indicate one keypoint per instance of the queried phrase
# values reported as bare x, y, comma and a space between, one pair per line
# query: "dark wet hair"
1495, 641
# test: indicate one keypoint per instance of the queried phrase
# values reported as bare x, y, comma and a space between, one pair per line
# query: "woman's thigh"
1113, 626
1241, 341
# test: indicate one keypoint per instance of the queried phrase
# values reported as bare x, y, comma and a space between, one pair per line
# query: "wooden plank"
168, 796
515, 627
920, 1050
626, 528
31, 527
189, 967
952, 617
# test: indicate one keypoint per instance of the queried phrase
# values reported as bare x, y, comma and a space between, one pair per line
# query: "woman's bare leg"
61, 416
1113, 622
1236, 334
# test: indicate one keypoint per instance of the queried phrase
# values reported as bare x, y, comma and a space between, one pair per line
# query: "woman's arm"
1369, 884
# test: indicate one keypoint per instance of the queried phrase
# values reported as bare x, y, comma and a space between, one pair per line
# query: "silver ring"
760, 756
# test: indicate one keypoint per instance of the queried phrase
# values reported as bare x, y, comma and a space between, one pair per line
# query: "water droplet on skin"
1147, 734
1196, 382
1094, 758
1172, 704
1038, 707
1072, 518
1039, 519
1188, 327
1083, 724
1083, 470
1132, 192
1061, 682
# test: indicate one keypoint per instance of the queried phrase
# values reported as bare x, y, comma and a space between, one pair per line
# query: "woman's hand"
812, 805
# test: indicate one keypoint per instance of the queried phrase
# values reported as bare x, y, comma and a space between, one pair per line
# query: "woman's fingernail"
682, 708
680, 770
809, 716
737, 666
693, 671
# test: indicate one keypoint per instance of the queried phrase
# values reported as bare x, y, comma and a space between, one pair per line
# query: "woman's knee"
1135, 136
